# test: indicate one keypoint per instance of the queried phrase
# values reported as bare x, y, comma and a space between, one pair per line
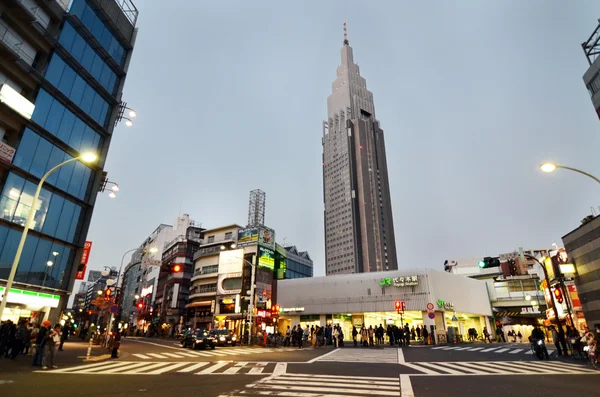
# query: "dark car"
224, 337
199, 339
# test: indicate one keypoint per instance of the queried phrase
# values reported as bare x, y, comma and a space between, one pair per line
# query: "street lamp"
549, 167
84, 158
99, 292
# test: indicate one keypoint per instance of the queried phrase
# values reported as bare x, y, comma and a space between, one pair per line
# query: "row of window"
98, 29
33, 265
63, 77
55, 216
37, 156
87, 57
62, 123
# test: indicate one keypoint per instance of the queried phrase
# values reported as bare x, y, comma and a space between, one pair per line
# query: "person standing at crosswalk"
364, 336
354, 336
300, 336
288, 336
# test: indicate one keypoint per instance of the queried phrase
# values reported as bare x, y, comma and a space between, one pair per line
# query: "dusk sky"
472, 96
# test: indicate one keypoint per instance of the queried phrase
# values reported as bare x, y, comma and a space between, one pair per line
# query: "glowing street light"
549, 167
49, 263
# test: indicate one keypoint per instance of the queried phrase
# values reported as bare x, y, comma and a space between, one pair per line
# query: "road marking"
173, 355
323, 356
258, 368
235, 368
141, 369
156, 355
341, 383
193, 367
474, 349
187, 354
406, 389
165, 369
195, 353
142, 356
280, 369
476, 368
463, 348
320, 389
122, 368
105, 367
501, 350
450, 348
489, 350
438, 347
212, 368
80, 367
401, 356
152, 343
441, 367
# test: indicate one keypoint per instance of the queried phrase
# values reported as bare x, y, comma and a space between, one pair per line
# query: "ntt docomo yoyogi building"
445, 303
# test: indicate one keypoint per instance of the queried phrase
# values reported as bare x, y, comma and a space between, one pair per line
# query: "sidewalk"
74, 354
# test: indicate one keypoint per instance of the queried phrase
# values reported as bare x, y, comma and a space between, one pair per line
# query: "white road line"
401, 356
441, 367
193, 367
474, 349
142, 356
344, 377
463, 348
529, 352
235, 368
340, 383
106, 366
322, 356
450, 348
152, 343
187, 354
156, 355
165, 369
501, 350
141, 369
320, 389
195, 353
418, 367
406, 389
173, 355
81, 367
505, 367
123, 369
292, 377
212, 368
474, 368
489, 350
280, 369
438, 347
516, 351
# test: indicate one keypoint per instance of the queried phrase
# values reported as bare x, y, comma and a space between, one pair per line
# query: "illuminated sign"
408, 281
231, 261
567, 268
291, 309
266, 258
30, 298
227, 301
248, 236
549, 267
445, 305
266, 237
16, 101
147, 291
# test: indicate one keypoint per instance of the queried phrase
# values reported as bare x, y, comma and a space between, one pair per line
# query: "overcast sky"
472, 96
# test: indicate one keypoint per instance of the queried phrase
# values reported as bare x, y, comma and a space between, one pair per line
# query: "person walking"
300, 336
425, 334
52, 339
335, 334
556, 339
64, 336
364, 336
380, 335
519, 337
354, 336
418, 332
40, 340
294, 340
406, 335
116, 343
413, 333
371, 335
288, 336
500, 334
486, 335
20, 339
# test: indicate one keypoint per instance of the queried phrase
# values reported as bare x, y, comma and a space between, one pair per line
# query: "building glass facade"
76, 102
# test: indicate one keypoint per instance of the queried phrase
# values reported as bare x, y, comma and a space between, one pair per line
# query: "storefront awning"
198, 304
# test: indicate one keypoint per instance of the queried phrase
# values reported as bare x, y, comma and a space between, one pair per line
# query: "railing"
34, 9
129, 9
206, 251
181, 238
219, 239
13, 42
201, 272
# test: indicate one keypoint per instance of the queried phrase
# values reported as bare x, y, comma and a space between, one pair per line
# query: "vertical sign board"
85, 256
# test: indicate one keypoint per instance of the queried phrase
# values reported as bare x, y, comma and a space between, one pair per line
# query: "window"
36, 156
55, 215
64, 125
206, 288
210, 269
211, 239
63, 77
228, 235
98, 30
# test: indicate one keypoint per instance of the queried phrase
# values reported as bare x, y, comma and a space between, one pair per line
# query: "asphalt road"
151, 367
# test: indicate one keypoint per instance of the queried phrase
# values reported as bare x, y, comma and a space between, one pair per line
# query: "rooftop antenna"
345, 35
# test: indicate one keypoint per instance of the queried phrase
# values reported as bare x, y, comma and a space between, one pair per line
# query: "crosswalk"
159, 368
223, 352
386, 355
487, 368
311, 385
495, 349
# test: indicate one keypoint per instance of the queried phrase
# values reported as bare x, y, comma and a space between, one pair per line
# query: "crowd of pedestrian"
28, 339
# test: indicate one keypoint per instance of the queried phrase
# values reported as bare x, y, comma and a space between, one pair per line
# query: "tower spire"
345, 35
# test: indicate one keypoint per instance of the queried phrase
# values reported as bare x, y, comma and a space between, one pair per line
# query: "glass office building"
68, 58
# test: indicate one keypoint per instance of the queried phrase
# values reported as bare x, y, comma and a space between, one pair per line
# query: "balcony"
202, 252
201, 273
181, 239
31, 11
14, 44
120, 15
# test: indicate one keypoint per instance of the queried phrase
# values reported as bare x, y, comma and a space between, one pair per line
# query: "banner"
85, 256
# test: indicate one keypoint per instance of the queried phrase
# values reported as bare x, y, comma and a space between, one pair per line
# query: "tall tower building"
63, 65
359, 229
591, 77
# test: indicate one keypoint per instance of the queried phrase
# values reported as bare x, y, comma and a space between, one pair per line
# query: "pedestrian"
20, 340
413, 333
307, 334
500, 334
371, 335
354, 336
486, 335
64, 336
364, 336
294, 336
425, 334
52, 339
519, 337
406, 335
335, 334
328, 335
116, 343
288, 336
556, 339
418, 332
340, 336
380, 333
390, 334
300, 336
40, 340
398, 335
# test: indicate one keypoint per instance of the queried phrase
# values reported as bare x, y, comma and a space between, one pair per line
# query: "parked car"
199, 339
224, 337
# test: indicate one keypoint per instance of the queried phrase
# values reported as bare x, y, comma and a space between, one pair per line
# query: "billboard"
266, 237
85, 256
231, 261
266, 258
248, 236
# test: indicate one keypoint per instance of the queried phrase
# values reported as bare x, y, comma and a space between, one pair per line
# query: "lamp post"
85, 158
549, 167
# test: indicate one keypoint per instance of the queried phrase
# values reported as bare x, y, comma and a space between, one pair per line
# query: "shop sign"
291, 309
231, 261
30, 297
550, 314
16, 101
266, 237
146, 291
264, 313
6, 152
530, 310
247, 237
407, 281
266, 258
445, 305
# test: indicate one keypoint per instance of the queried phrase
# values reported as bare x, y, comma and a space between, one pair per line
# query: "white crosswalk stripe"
508, 349
385, 355
158, 368
218, 352
310, 385
487, 368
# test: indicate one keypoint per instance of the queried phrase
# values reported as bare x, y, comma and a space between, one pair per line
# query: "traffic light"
558, 295
176, 268
275, 310
488, 262
108, 293
140, 305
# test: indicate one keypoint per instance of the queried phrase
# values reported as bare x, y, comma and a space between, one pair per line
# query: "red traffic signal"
398, 305
108, 292
140, 305
558, 295
176, 269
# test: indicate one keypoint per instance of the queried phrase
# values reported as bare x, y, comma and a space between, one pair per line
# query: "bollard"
89, 350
